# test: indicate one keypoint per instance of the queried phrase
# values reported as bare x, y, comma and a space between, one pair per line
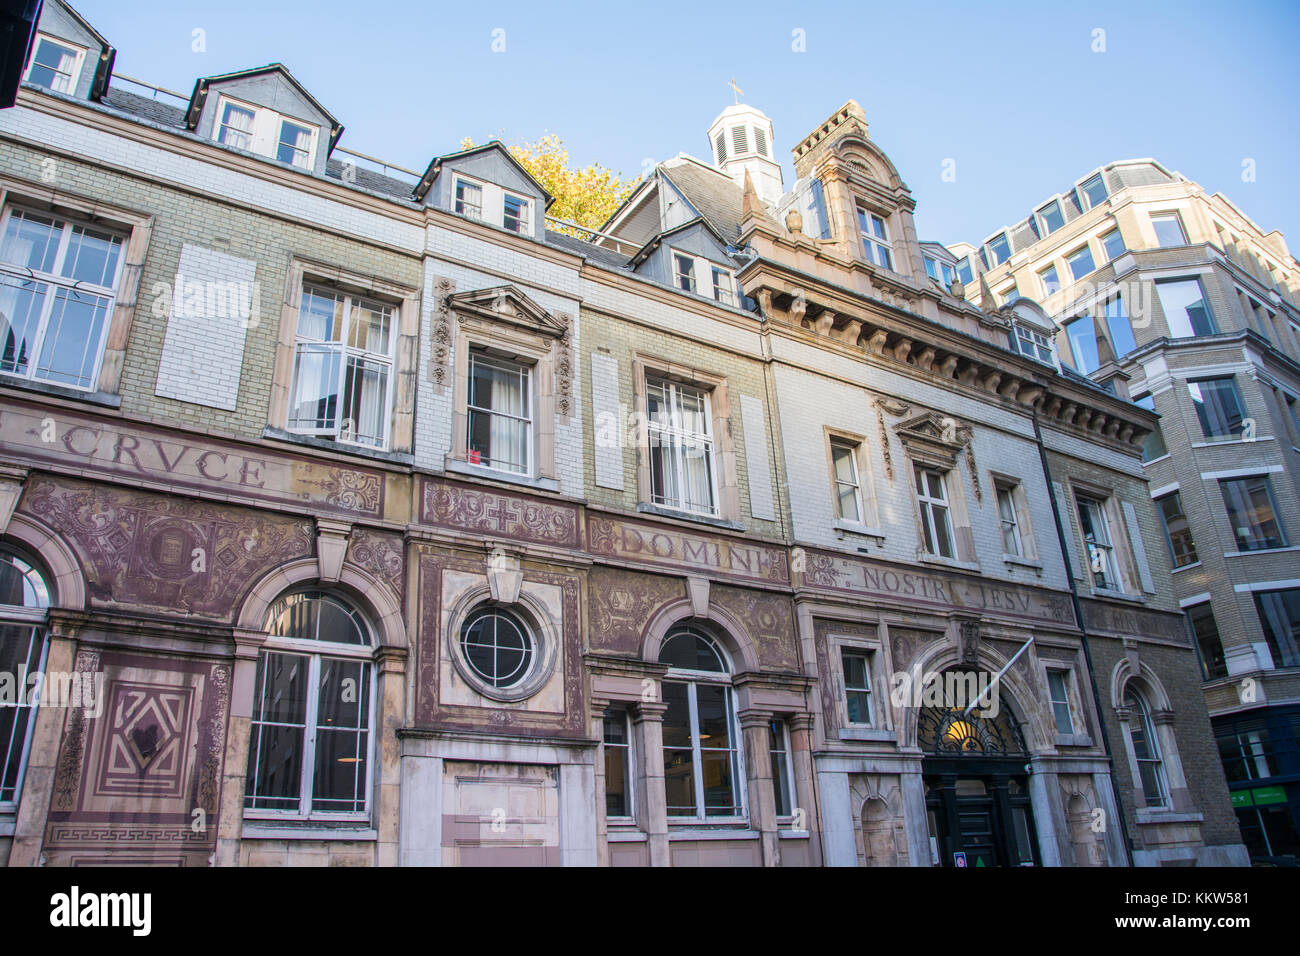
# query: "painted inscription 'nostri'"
30, 432
708, 554
931, 588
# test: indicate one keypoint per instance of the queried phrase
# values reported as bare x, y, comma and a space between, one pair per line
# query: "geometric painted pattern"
147, 746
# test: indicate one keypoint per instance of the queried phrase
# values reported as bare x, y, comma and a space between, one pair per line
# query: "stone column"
42, 761
1180, 797
597, 717
651, 798
756, 734
805, 799
390, 712
243, 686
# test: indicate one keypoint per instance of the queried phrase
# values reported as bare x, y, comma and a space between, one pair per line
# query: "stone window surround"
1162, 720
724, 460
882, 722
1079, 712
138, 227
517, 345
954, 490
401, 434
870, 517
1024, 522
1117, 530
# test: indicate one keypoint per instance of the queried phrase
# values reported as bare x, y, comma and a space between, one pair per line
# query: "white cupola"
741, 140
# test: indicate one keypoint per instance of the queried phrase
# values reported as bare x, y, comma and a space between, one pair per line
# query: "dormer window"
487, 202
684, 272
940, 271
1092, 192
257, 129
723, 287
1032, 343
1051, 218
999, 249
469, 199
516, 215
55, 65
875, 239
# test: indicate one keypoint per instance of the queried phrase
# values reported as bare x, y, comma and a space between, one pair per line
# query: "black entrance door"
980, 820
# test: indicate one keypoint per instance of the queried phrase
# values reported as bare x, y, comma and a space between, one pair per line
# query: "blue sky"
1013, 93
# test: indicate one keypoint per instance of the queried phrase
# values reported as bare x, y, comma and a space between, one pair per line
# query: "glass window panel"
679, 781
1206, 629
469, 199
1177, 530
316, 385
21, 304
1094, 190
1218, 406
282, 689
688, 650
339, 778
275, 768
780, 769
1279, 612
295, 144
365, 402
1169, 230
1082, 336
718, 770
91, 256
1113, 244
1000, 248
1056, 683
1081, 263
1052, 217
236, 127
1120, 327
1154, 446
1051, 283
516, 214
52, 66
320, 316
31, 241
712, 705
1249, 502
677, 716
73, 331
1186, 311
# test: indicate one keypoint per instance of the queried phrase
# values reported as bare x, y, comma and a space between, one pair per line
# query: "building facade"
353, 516
1174, 297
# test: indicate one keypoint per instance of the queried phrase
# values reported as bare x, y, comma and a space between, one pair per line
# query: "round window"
498, 647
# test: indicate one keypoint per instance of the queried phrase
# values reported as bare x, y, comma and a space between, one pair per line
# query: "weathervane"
736, 91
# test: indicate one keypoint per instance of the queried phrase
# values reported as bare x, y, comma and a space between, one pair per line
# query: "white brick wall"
203, 351
606, 422
810, 403
757, 460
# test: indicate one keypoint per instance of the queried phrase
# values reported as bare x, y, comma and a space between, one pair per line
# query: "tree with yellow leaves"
586, 196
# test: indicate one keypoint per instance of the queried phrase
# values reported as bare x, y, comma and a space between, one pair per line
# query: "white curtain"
508, 435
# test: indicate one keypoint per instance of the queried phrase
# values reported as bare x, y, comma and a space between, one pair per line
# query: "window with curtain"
294, 147
310, 747
1146, 749
54, 65
24, 605
235, 126
500, 419
701, 741
680, 432
343, 368
58, 280
469, 199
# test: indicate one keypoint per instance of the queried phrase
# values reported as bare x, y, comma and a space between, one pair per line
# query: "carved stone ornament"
440, 333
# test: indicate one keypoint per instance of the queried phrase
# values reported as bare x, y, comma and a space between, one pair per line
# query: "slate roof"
155, 111
715, 195
598, 254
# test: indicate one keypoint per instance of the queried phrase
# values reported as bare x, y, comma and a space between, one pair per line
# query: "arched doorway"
976, 776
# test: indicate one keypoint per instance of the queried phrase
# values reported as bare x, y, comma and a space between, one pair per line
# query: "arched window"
1146, 749
24, 603
702, 772
309, 754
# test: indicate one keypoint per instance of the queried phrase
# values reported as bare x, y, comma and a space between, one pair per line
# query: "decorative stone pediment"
935, 439
508, 304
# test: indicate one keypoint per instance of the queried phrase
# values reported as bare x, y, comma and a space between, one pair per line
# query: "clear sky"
1013, 93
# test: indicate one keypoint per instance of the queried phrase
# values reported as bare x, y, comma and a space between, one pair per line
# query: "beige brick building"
1164, 293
